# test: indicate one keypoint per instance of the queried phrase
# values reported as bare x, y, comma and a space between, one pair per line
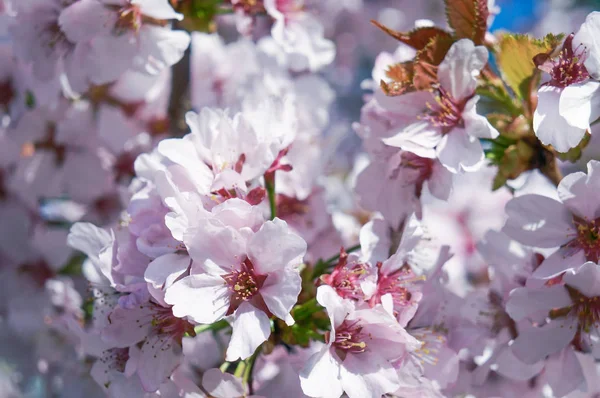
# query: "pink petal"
251, 328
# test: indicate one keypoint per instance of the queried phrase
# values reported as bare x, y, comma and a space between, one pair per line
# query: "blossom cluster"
192, 204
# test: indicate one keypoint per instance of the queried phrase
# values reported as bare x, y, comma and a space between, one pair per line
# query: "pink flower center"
116, 358
585, 309
349, 338
288, 206
398, 285
446, 113
568, 67
130, 18
244, 285
346, 278
587, 238
164, 322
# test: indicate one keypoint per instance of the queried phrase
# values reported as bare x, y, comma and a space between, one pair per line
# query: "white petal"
538, 221
165, 267
182, 152
440, 181
368, 376
217, 247
88, 238
579, 104
159, 9
586, 279
275, 247
459, 151
280, 293
222, 385
83, 20
458, 71
419, 138
578, 191
160, 355
588, 37
159, 48
558, 262
534, 344
550, 126
524, 302
251, 328
564, 373
337, 308
204, 298
475, 124
320, 377
128, 326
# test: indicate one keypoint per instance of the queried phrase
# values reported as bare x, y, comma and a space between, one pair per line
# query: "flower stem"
220, 325
552, 172
270, 186
248, 376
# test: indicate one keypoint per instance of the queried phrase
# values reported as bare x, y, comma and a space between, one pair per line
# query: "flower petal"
459, 151
534, 344
550, 126
368, 376
275, 247
588, 37
538, 221
280, 292
558, 262
251, 328
320, 377
203, 298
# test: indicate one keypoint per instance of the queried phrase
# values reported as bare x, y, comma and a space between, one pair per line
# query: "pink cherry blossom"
241, 268
357, 358
568, 102
451, 129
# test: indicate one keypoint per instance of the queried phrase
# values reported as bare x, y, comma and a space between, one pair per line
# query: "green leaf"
515, 60
468, 19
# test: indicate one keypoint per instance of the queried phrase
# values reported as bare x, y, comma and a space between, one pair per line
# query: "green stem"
220, 325
249, 370
223, 368
270, 187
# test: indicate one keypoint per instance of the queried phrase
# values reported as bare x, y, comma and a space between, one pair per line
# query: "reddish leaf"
468, 18
427, 61
416, 38
395, 88
402, 72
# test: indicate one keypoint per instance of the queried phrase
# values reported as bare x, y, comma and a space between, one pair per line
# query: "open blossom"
570, 224
241, 268
359, 351
159, 333
111, 37
570, 100
564, 317
224, 152
451, 129
300, 34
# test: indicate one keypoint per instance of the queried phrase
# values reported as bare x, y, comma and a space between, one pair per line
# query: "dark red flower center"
587, 238
567, 68
349, 338
446, 113
244, 284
